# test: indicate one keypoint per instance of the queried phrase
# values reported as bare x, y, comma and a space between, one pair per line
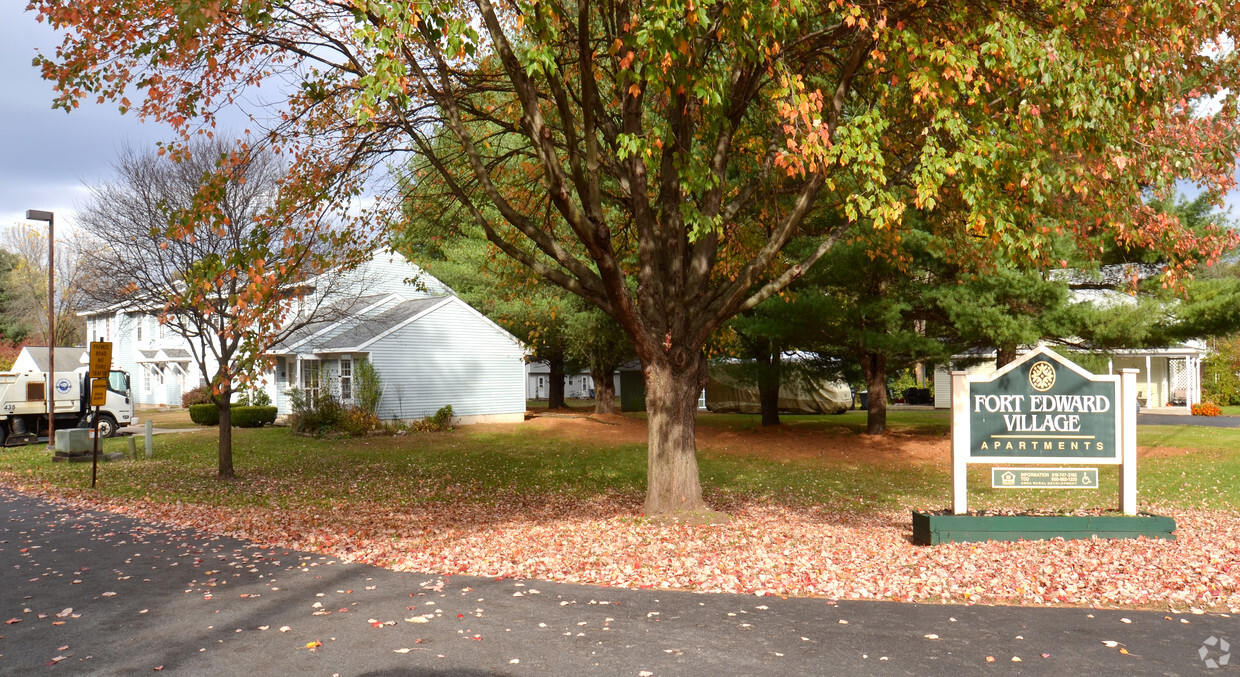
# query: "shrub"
328, 416
8, 354
1207, 409
357, 422
255, 398
252, 416
1219, 378
199, 395
442, 420
367, 386
204, 414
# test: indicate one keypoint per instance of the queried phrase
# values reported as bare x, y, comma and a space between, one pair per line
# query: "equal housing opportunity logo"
1215, 652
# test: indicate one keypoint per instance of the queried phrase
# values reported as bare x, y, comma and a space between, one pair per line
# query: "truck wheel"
4, 433
107, 426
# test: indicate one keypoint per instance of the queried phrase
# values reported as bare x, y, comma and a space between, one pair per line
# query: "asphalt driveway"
1184, 419
94, 593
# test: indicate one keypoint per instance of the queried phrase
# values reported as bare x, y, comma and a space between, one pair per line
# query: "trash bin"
864, 399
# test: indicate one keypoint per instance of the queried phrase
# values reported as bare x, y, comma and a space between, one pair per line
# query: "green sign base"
932, 529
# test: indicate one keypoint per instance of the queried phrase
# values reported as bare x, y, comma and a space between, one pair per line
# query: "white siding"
942, 389
25, 362
126, 356
577, 385
943, 382
385, 273
391, 273
449, 356
278, 383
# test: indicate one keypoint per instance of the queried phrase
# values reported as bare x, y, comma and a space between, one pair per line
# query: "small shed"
577, 385
35, 358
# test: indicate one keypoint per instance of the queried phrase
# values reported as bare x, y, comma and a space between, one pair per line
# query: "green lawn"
278, 469
166, 419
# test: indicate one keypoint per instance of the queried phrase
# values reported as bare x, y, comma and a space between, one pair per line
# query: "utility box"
74, 440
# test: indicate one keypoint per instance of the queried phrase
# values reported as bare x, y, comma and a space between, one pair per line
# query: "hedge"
252, 417
242, 417
204, 414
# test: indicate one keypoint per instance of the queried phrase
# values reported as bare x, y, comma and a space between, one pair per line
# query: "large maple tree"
656, 157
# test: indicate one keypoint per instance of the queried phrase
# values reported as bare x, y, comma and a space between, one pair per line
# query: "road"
1181, 419
91, 593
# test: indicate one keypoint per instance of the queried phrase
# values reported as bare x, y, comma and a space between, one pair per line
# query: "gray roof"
177, 354
333, 317
148, 354
67, 358
368, 328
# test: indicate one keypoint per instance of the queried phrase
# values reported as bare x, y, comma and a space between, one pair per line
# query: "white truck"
23, 404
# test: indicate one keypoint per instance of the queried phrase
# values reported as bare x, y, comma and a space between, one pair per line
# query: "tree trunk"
604, 390
555, 383
672, 390
769, 376
226, 462
1004, 355
874, 366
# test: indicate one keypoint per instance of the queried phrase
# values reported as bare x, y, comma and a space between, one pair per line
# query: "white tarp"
726, 394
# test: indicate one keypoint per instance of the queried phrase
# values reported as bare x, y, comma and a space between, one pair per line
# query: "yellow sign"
100, 358
98, 392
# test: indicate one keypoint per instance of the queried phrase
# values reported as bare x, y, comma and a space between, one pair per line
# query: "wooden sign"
100, 358
1043, 409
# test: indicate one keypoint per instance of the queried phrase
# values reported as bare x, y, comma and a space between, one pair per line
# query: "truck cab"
23, 404
119, 410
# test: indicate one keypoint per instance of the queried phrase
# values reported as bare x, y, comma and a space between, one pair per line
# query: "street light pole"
40, 215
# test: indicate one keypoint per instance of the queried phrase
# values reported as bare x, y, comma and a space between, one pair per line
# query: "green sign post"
1044, 409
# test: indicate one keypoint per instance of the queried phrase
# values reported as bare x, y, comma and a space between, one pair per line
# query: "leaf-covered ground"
765, 550
815, 512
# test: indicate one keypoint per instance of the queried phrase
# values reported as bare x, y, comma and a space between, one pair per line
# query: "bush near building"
1207, 409
242, 416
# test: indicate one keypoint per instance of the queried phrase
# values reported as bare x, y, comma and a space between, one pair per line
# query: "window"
141, 321
146, 380
346, 379
119, 382
310, 381
107, 329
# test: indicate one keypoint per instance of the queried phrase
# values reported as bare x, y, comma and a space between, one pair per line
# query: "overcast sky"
47, 155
